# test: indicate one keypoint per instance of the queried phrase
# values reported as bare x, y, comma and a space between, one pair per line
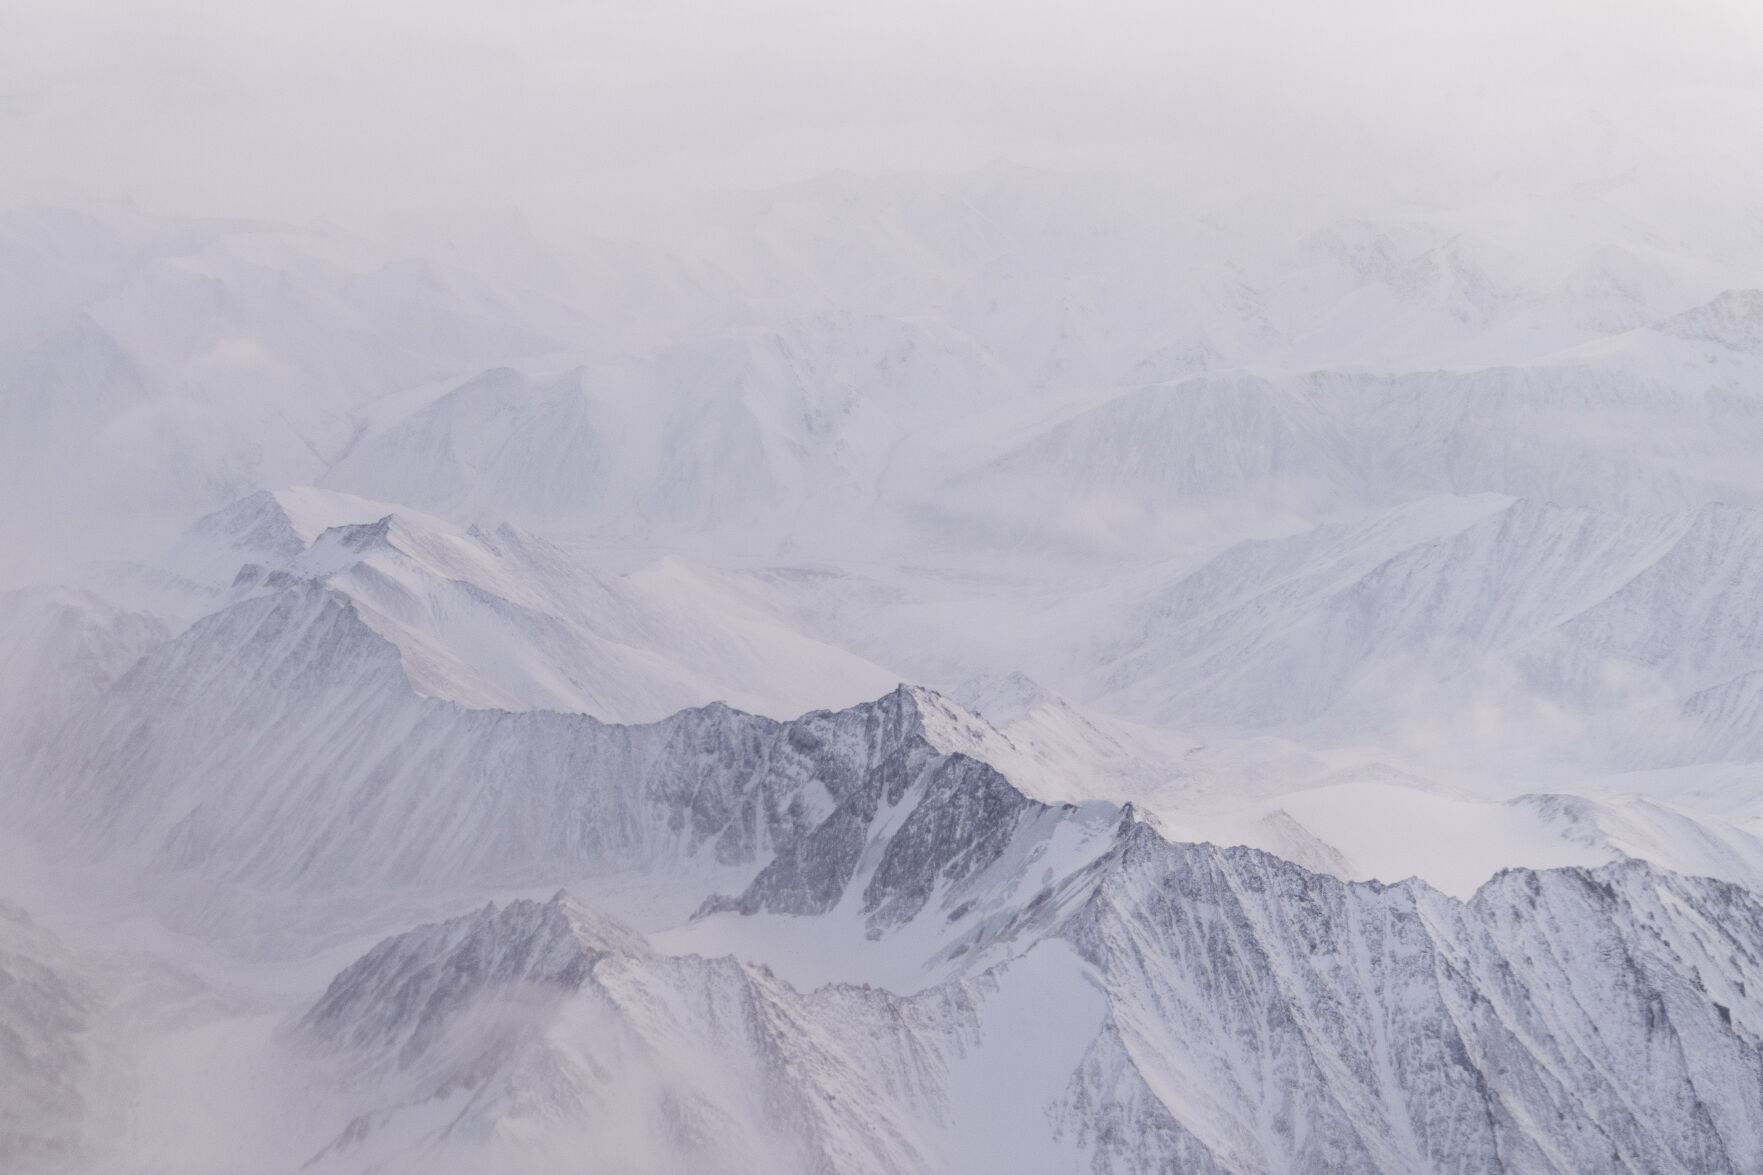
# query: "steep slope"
61, 648
334, 778
1721, 723
542, 1027
1256, 1018
1251, 615
1685, 616
47, 1006
505, 619
1347, 536
1265, 1018
335, 775
1515, 631
1667, 435
1055, 750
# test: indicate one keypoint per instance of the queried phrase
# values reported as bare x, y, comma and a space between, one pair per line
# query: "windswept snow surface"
451, 705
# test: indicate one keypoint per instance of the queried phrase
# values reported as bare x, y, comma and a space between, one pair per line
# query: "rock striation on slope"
1233, 1012
1600, 639
276, 751
1264, 1018
1256, 1018
547, 1025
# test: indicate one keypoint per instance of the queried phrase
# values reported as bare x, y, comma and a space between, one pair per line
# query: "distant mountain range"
897, 674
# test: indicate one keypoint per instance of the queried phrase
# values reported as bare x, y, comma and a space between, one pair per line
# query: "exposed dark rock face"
1266, 1018
334, 775
961, 820
1257, 1017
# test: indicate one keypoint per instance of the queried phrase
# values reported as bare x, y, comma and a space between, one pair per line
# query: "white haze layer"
1330, 429
340, 109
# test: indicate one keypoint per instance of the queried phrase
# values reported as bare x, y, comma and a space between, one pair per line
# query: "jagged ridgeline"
450, 705
1066, 989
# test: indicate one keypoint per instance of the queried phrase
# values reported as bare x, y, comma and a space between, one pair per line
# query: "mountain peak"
398, 996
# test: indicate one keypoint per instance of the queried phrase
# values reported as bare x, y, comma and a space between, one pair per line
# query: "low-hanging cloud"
332, 107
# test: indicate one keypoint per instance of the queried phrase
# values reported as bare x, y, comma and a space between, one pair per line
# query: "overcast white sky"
190, 105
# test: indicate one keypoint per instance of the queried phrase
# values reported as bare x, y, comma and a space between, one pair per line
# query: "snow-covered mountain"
1241, 1015
1215, 1008
1009, 671
507, 619
871, 845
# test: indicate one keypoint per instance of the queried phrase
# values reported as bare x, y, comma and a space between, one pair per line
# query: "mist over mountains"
1021, 669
